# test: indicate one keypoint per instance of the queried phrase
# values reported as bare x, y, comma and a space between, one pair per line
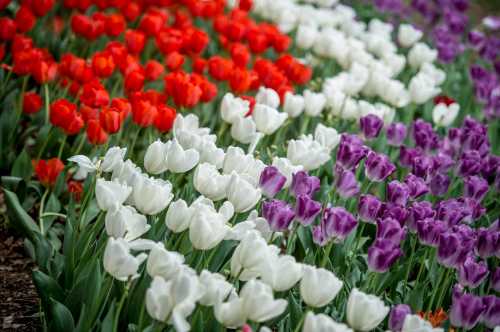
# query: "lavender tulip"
346, 184
429, 231
397, 317
306, 209
442, 162
338, 223
319, 235
451, 211
370, 126
304, 184
369, 207
407, 155
396, 134
416, 185
495, 279
491, 314
472, 273
473, 209
454, 245
488, 241
390, 229
378, 167
424, 136
422, 166
439, 184
469, 163
466, 309
419, 211
395, 211
397, 193
475, 187
490, 168
271, 181
278, 214
382, 254
350, 151
475, 136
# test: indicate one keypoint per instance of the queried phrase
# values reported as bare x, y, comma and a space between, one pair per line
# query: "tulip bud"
259, 303
307, 152
314, 103
397, 316
318, 286
113, 159
126, 223
119, 262
268, 119
110, 195
322, 322
303, 184
243, 130
268, 97
178, 216
208, 227
209, 182
155, 158
164, 263
216, 288
151, 196
278, 214
327, 137
232, 108
271, 181
294, 105
408, 35
364, 311
241, 193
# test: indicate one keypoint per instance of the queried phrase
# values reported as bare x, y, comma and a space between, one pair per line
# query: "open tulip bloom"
254, 165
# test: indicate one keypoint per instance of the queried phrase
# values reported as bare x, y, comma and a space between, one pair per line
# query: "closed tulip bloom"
236, 160
390, 229
416, 323
180, 160
304, 184
178, 216
113, 159
338, 223
475, 187
346, 184
293, 105
382, 254
164, 263
453, 247
397, 193
244, 130
469, 163
314, 103
466, 309
378, 167
278, 214
118, 261
416, 186
241, 193
443, 115
110, 195
250, 256
429, 231
322, 323
306, 209
259, 303
472, 273
151, 196
164, 118
271, 181
420, 54
451, 211
350, 152
306, 36
233, 107
328, 137
396, 134
397, 317
495, 279
209, 182
370, 126
318, 286
267, 97
155, 158
268, 119
281, 272
364, 311
216, 288
424, 136
126, 223
287, 169
369, 208
32, 103
307, 152
491, 314
231, 314
408, 35
488, 240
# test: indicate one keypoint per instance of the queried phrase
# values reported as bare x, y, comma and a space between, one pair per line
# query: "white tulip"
365, 311
110, 195
262, 226
210, 153
232, 108
159, 302
189, 123
113, 159
119, 262
306, 36
268, 119
242, 194
323, 323
286, 168
243, 130
415, 323
127, 173
126, 223
444, 115
178, 216
231, 314
240, 230
380, 28
85, 166
395, 62
151, 196
267, 96
179, 160
250, 256
408, 35
164, 263
419, 54
394, 93
350, 110
281, 272
293, 105
328, 137
314, 103
259, 303
422, 89
437, 75
209, 182
307, 152
208, 227
155, 158
216, 288
318, 286
244, 164
356, 79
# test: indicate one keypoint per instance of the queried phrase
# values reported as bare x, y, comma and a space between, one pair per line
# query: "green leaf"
22, 166
47, 288
20, 218
415, 299
61, 318
107, 323
296, 311
53, 205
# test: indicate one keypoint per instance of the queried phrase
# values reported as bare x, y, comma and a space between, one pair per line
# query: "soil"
19, 307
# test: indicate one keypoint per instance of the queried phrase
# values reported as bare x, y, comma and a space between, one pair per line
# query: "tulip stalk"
47, 102
116, 320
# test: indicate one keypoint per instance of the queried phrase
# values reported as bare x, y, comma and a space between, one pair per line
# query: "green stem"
44, 145
447, 280
47, 103
61, 147
131, 150
40, 212
301, 322
19, 110
80, 144
327, 254
53, 214
120, 306
436, 289
412, 255
290, 245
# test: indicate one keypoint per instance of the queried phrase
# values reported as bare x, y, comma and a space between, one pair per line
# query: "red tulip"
164, 119
143, 112
94, 94
7, 28
134, 81
110, 120
115, 24
95, 133
135, 41
153, 70
25, 19
32, 103
103, 64
174, 61
47, 171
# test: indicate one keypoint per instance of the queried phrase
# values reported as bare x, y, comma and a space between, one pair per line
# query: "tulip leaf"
22, 166
416, 299
296, 311
47, 288
18, 216
108, 322
305, 238
53, 205
61, 318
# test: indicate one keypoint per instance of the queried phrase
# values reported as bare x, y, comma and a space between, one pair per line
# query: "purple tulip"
398, 193
439, 184
306, 209
271, 181
338, 223
466, 309
416, 185
397, 317
370, 126
475, 187
490, 167
382, 254
304, 184
451, 144
378, 167
470, 163
491, 314
495, 279
319, 235
473, 209
395, 211
476, 38
407, 155
451, 211
488, 240
454, 245
474, 134
390, 229
369, 207
430, 230
424, 136
396, 134
472, 273
350, 151
442, 162
278, 214
346, 184
419, 211
423, 166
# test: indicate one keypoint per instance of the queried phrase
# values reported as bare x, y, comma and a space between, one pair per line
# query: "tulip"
307, 152
370, 126
250, 256
85, 166
495, 279
269, 97
488, 240
322, 323
369, 207
125, 223
382, 254
396, 134
420, 54
113, 159
416, 186
346, 184
318, 286
430, 230
178, 216
294, 105
244, 164
439, 184
179, 160
231, 314
364, 311
338, 223
278, 214
110, 195
422, 88
314, 103
304, 184
327, 137
466, 309
216, 288
268, 119
350, 152
232, 108
416, 323
378, 167
208, 227
271, 181
398, 316
475, 187
443, 115
454, 245
151, 196
306, 36
390, 229
408, 35
286, 168
164, 263
306, 209
397, 193
472, 273
281, 272
119, 262
155, 158
491, 314
243, 130
127, 172
209, 182
241, 193
259, 303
